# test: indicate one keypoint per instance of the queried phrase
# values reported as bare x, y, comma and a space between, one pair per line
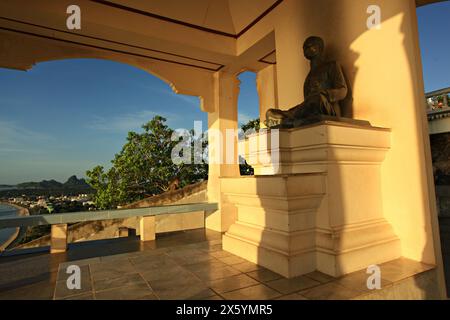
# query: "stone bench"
60, 221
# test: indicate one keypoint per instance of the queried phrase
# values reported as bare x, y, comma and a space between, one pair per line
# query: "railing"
438, 104
59, 221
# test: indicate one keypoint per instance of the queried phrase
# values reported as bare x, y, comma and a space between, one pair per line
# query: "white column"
223, 121
266, 84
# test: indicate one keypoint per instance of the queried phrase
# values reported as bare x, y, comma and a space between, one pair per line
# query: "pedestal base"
319, 207
287, 264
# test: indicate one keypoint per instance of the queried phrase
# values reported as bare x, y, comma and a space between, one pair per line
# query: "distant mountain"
72, 183
45, 184
7, 187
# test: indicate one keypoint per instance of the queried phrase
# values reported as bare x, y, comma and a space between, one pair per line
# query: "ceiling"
225, 17
425, 2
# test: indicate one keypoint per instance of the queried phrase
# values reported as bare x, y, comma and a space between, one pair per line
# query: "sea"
6, 210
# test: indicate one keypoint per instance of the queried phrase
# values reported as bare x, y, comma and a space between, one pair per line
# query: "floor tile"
157, 262
126, 280
63, 275
213, 248
286, 286
221, 254
232, 283
42, 290
292, 296
320, 277
246, 267
358, 281
264, 275
216, 273
205, 266
131, 292
111, 269
62, 290
80, 263
83, 296
401, 269
231, 260
258, 292
214, 297
165, 273
180, 287
330, 291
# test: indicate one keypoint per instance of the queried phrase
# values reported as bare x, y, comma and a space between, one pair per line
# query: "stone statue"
324, 88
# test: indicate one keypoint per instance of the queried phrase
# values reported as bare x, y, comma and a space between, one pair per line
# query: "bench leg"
58, 238
123, 232
147, 228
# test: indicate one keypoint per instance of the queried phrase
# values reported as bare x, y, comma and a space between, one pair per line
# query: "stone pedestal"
316, 205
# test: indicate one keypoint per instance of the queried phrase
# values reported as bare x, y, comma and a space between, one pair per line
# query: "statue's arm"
339, 90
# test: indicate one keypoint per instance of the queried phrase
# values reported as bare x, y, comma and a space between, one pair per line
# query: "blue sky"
434, 33
64, 117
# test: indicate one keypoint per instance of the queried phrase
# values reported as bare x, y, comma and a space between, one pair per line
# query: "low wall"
106, 229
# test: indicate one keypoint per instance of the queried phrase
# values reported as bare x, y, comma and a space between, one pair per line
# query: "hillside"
72, 186
72, 183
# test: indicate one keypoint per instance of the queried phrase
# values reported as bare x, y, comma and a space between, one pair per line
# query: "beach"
7, 236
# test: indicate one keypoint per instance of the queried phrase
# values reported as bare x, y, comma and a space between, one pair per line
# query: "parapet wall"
105, 229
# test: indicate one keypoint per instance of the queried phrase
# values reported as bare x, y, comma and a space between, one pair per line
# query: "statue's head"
313, 47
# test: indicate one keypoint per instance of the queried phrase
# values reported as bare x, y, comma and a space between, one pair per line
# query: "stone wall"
189, 194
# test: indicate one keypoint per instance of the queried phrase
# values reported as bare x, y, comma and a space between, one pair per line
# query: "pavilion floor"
183, 265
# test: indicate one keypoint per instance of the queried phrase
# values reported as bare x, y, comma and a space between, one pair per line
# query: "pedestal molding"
320, 207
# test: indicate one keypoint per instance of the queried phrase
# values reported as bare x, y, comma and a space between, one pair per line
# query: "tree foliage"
143, 167
252, 124
248, 128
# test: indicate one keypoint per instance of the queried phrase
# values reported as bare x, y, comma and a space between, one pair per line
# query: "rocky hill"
72, 182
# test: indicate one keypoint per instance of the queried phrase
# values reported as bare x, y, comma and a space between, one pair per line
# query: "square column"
58, 238
147, 228
222, 147
266, 85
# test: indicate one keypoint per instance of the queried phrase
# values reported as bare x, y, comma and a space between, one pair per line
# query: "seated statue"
324, 88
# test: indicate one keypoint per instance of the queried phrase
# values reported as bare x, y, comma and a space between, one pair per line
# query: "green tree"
252, 124
248, 128
143, 167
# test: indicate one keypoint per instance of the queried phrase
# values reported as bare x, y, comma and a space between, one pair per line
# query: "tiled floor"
188, 265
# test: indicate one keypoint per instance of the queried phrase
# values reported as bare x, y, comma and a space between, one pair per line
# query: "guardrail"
434, 97
438, 113
59, 221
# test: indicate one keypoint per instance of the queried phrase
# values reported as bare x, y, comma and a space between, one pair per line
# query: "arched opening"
65, 117
433, 28
248, 112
